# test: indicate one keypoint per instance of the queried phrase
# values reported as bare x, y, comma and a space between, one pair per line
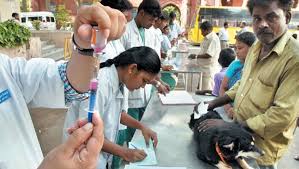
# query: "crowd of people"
257, 85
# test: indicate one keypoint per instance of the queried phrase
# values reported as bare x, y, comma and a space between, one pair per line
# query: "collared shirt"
157, 39
165, 45
223, 34
266, 96
132, 38
211, 46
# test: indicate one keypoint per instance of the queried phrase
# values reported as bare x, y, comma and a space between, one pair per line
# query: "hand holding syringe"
98, 43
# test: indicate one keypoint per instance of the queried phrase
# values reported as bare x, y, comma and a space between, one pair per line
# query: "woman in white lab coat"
138, 34
113, 49
133, 68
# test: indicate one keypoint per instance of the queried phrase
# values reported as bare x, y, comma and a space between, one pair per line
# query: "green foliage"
167, 9
62, 16
13, 34
36, 24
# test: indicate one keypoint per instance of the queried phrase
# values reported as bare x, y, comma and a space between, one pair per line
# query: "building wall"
7, 7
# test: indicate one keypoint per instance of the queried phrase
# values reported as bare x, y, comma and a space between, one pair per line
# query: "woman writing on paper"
134, 69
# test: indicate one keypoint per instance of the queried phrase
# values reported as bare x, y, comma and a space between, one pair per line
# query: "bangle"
158, 84
82, 51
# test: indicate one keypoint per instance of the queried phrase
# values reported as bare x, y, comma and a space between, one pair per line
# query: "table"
185, 66
176, 147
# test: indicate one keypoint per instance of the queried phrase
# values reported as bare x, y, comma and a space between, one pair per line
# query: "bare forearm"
219, 101
129, 121
203, 56
80, 70
113, 148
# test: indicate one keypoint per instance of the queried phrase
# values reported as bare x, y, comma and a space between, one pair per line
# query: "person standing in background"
156, 30
224, 36
207, 59
244, 28
175, 29
15, 17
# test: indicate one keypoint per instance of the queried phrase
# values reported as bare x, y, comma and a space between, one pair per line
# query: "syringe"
98, 43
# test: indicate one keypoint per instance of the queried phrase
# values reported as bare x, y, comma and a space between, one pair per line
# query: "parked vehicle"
47, 19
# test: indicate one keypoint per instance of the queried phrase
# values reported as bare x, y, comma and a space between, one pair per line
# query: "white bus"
47, 19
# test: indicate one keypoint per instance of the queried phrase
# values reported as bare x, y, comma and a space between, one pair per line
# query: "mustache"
264, 31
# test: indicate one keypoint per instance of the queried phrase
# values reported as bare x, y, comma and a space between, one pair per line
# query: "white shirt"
210, 45
110, 103
112, 49
175, 30
245, 29
33, 83
131, 38
158, 38
166, 45
223, 34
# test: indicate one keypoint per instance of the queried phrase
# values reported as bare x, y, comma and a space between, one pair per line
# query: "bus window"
34, 18
23, 19
48, 19
52, 19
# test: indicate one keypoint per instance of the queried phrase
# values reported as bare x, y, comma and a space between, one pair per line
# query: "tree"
62, 16
24, 6
169, 8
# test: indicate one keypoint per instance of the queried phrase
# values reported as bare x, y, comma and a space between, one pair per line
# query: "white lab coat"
33, 83
165, 45
175, 30
113, 49
158, 38
131, 38
110, 103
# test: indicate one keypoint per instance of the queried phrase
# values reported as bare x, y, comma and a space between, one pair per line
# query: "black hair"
121, 5
226, 57
206, 26
244, 23
164, 16
246, 37
151, 7
145, 57
172, 15
14, 14
286, 5
225, 24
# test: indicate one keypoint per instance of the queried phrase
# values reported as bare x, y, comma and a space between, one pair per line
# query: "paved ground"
49, 122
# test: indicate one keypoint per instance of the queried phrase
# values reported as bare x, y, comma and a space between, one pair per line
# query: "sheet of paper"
176, 98
150, 151
202, 109
151, 167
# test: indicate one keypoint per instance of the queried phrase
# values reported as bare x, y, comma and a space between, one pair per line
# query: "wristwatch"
158, 84
82, 51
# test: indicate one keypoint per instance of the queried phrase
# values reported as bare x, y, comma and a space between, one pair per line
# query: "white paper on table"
177, 98
202, 109
140, 144
151, 167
